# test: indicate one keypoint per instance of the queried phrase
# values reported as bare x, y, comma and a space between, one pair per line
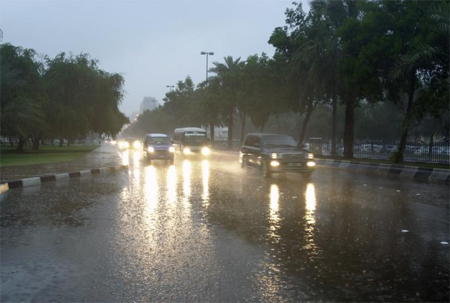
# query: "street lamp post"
170, 87
207, 54
211, 125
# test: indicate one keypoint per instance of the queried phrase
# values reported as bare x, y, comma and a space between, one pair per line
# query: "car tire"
265, 170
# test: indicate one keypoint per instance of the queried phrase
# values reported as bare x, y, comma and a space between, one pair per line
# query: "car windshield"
195, 137
278, 141
158, 140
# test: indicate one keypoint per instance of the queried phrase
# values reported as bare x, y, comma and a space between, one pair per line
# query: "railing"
436, 152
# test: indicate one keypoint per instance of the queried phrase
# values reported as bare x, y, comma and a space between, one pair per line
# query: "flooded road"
204, 230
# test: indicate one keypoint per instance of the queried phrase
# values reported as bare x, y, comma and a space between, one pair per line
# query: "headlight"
113, 142
136, 144
310, 156
151, 149
171, 149
274, 156
206, 151
186, 151
274, 163
311, 164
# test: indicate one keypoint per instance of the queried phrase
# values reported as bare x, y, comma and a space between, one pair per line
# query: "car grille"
292, 157
161, 152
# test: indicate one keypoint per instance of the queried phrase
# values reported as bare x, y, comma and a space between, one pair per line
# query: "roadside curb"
431, 175
421, 174
5, 186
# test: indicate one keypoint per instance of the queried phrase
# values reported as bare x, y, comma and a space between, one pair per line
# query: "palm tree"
228, 75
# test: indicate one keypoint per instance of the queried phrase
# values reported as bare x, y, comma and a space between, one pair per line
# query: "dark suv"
273, 153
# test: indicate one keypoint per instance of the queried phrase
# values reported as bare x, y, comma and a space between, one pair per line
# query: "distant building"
148, 103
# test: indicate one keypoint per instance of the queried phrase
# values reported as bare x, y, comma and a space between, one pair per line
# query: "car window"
158, 140
279, 141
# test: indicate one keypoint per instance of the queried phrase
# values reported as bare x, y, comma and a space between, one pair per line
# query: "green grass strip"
46, 154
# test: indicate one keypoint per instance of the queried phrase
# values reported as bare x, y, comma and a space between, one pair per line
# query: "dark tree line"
64, 98
342, 53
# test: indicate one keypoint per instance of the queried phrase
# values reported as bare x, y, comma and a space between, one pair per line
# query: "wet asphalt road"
207, 231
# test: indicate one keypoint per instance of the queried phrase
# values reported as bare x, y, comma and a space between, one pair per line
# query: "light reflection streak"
310, 220
274, 199
172, 184
270, 283
150, 190
274, 217
205, 176
125, 156
136, 159
186, 182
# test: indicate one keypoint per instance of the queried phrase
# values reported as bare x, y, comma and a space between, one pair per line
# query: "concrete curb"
430, 175
54, 178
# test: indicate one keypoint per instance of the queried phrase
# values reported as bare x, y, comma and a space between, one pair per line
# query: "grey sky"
151, 43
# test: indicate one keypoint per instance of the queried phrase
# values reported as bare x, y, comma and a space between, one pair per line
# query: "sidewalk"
104, 156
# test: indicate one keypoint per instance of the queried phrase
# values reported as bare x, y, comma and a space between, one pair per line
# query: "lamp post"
170, 87
211, 125
207, 54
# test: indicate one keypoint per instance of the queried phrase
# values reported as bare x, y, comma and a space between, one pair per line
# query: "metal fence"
436, 152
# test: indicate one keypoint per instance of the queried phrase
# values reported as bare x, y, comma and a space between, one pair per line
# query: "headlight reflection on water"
186, 182
205, 178
151, 189
274, 217
310, 220
172, 185
124, 155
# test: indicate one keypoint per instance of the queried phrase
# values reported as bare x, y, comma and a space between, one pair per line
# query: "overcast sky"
151, 43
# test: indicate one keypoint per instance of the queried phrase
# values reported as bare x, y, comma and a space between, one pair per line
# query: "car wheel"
265, 170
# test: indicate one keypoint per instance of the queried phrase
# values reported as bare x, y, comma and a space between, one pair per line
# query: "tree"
21, 93
423, 68
229, 75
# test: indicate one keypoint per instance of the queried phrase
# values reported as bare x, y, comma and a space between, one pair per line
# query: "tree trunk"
61, 142
20, 145
36, 141
11, 141
407, 121
211, 131
301, 137
334, 126
244, 116
230, 128
349, 129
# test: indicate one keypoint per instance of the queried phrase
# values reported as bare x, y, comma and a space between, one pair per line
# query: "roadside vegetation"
64, 98
46, 154
350, 68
